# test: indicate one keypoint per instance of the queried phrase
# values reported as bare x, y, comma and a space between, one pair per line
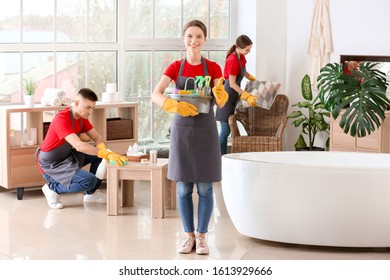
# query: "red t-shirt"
232, 67
214, 70
60, 127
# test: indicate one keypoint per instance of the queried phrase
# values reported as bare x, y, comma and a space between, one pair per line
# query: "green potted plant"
360, 96
29, 86
311, 117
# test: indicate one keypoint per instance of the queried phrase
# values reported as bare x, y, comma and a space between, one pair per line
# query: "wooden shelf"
18, 168
376, 142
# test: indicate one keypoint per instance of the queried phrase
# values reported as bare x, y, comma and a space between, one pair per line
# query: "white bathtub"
312, 198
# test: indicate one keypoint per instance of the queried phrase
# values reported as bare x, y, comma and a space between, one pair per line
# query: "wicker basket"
264, 127
118, 128
137, 158
45, 128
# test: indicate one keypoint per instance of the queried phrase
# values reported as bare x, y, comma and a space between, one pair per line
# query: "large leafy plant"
311, 117
359, 95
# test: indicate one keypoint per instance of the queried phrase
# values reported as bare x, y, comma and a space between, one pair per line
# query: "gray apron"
194, 154
63, 162
223, 113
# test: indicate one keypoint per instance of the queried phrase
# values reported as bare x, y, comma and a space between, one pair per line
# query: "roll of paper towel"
54, 93
111, 87
109, 97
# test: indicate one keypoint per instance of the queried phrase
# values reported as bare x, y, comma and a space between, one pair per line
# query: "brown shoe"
187, 246
201, 246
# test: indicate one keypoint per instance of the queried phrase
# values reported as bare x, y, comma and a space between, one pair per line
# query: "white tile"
29, 229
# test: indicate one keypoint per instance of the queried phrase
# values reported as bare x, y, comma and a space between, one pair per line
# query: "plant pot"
317, 149
29, 100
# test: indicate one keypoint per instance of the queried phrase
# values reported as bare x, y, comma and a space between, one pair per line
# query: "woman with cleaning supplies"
62, 154
194, 154
234, 72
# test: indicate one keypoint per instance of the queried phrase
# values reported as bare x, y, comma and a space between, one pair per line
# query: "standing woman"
194, 154
234, 72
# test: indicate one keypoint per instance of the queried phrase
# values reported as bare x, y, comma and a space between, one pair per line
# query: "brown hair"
196, 23
88, 94
241, 42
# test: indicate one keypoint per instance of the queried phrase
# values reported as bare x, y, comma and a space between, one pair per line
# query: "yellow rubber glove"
101, 145
251, 99
103, 152
183, 108
251, 78
220, 94
109, 155
118, 159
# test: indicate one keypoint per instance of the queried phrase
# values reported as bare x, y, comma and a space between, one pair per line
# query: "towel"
66, 101
54, 93
45, 101
51, 101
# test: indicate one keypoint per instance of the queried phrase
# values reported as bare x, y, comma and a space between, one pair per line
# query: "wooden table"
163, 191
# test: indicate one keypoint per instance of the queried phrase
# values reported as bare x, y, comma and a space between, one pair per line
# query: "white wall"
282, 30
363, 30
264, 22
246, 15
297, 60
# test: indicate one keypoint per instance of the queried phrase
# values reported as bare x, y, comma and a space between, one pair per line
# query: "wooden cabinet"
376, 142
22, 131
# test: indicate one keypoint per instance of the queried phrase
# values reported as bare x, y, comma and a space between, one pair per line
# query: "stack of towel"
55, 97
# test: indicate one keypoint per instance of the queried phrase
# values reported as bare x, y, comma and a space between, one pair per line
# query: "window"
152, 43
64, 44
88, 43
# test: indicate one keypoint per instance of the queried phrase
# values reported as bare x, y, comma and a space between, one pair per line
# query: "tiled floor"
30, 230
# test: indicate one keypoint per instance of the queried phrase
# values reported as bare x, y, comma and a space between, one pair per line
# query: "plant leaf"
364, 91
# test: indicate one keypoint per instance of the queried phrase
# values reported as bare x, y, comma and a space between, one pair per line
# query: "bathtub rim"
240, 157
373, 230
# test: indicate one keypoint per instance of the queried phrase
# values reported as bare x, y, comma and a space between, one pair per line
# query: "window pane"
9, 22
195, 9
71, 20
71, 72
139, 18
219, 57
38, 21
77, 66
161, 119
144, 122
102, 70
161, 60
10, 78
102, 20
137, 74
167, 19
39, 66
161, 122
219, 19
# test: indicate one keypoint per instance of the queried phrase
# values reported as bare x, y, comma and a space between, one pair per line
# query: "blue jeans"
186, 205
82, 181
223, 136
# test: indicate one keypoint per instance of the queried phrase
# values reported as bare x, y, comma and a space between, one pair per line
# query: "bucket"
203, 103
194, 97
